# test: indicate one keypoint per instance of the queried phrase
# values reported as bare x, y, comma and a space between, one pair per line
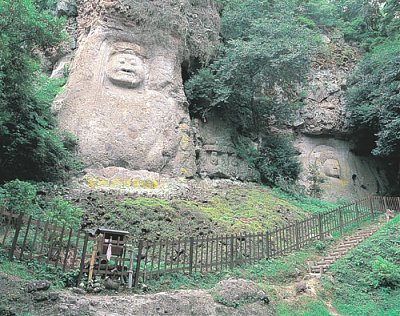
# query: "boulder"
41, 285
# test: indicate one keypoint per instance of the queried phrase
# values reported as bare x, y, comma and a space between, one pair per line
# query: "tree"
254, 79
29, 146
265, 54
374, 99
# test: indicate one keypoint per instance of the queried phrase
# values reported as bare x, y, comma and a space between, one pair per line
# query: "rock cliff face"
322, 132
126, 105
215, 151
124, 98
345, 175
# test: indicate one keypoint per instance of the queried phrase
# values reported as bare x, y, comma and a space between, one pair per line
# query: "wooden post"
130, 271
60, 244
67, 250
25, 237
357, 212
267, 245
191, 255
385, 204
231, 265
14, 243
93, 257
320, 228
341, 221
371, 207
83, 257
297, 235
138, 259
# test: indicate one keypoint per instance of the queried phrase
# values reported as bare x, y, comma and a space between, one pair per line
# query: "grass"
305, 306
367, 279
252, 208
31, 271
277, 271
260, 208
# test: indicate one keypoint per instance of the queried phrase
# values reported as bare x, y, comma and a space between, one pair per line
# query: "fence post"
320, 228
371, 207
93, 257
341, 221
357, 212
14, 243
138, 259
130, 271
232, 240
297, 232
267, 245
385, 204
25, 238
82, 265
191, 246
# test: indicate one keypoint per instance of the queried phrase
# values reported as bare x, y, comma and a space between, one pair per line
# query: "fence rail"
28, 238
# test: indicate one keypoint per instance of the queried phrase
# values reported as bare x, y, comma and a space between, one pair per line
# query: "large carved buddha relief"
125, 103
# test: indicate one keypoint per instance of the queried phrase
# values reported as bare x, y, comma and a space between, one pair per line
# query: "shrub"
19, 197
278, 160
386, 273
59, 212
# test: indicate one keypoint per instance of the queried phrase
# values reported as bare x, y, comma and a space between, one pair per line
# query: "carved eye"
122, 62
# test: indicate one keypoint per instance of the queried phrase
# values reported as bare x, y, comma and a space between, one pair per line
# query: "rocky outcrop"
125, 103
322, 134
242, 298
124, 98
216, 154
323, 112
345, 175
324, 105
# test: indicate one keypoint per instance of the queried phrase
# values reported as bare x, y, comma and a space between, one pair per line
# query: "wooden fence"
26, 238
149, 260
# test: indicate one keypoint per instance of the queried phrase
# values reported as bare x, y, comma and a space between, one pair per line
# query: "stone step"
354, 240
343, 248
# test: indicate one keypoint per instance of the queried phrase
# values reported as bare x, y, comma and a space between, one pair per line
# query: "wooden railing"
153, 259
26, 238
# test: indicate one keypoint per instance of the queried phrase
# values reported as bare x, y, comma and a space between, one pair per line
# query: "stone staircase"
316, 269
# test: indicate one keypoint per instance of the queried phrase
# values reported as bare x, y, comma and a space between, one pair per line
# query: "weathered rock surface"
345, 174
42, 285
124, 99
192, 302
67, 8
216, 154
236, 292
126, 105
323, 113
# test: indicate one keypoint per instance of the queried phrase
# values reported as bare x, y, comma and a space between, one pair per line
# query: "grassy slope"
367, 280
249, 209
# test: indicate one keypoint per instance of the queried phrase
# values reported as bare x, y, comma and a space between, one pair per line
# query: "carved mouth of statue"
129, 71
125, 70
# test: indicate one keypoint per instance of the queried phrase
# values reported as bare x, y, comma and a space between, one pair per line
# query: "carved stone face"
331, 168
125, 69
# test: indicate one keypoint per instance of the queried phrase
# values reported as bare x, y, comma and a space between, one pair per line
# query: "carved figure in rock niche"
326, 159
126, 104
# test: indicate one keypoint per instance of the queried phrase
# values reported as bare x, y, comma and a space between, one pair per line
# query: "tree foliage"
374, 99
21, 197
29, 146
253, 80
